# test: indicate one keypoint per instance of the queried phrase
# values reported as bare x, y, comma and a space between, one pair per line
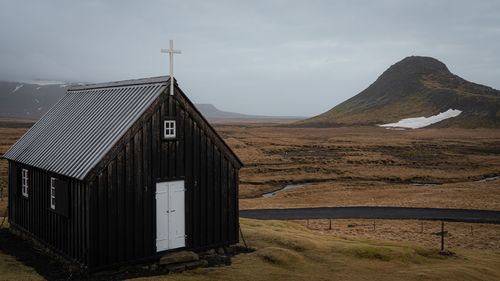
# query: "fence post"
442, 236
373, 225
330, 226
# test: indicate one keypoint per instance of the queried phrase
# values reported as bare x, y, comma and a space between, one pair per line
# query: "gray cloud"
259, 57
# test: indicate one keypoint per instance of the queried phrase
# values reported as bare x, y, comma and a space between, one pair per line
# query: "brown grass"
8, 136
351, 167
366, 166
289, 251
335, 194
460, 235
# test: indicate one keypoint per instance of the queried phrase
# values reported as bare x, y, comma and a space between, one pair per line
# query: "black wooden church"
122, 172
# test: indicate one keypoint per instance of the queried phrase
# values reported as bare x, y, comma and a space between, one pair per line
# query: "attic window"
25, 182
53, 193
169, 129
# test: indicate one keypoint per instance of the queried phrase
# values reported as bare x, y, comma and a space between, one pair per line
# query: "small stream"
436, 184
488, 179
290, 186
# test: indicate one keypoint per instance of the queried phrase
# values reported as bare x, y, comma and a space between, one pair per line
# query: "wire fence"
442, 235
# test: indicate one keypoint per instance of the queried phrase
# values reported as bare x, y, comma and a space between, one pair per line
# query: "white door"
170, 224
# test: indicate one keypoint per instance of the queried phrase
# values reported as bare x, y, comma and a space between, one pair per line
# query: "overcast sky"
257, 57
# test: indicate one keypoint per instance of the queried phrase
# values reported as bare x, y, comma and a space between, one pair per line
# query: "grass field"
288, 251
12, 269
460, 235
9, 134
365, 166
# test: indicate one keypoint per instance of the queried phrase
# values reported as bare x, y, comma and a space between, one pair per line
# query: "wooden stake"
243, 237
442, 233
442, 236
330, 226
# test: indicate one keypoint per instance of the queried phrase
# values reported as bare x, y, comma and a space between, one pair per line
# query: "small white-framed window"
25, 182
53, 193
169, 129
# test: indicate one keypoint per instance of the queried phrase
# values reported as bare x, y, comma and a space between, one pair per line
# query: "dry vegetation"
351, 167
11, 269
460, 235
366, 166
289, 251
9, 134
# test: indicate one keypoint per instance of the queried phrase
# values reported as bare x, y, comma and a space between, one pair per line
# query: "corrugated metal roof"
74, 135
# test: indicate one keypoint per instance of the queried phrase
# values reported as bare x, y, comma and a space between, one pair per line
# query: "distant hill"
415, 87
30, 101
214, 114
210, 110
27, 100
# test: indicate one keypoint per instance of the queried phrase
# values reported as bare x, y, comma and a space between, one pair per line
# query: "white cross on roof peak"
171, 52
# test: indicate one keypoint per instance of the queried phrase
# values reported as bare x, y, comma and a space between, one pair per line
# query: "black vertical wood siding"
67, 235
112, 216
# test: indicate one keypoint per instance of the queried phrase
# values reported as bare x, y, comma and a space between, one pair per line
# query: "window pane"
169, 129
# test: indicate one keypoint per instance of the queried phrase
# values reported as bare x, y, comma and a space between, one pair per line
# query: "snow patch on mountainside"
17, 88
420, 122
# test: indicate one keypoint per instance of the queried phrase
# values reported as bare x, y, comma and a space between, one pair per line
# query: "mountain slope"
415, 87
30, 101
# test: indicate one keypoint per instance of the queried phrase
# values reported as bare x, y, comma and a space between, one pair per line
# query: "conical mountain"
415, 87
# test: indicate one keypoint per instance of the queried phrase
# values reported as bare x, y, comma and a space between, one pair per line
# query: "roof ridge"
130, 82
